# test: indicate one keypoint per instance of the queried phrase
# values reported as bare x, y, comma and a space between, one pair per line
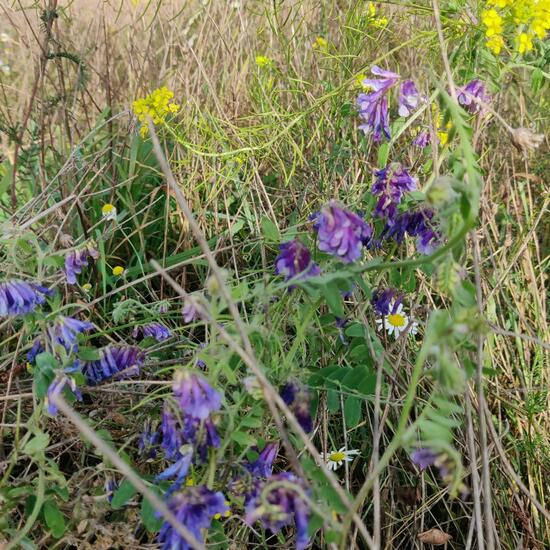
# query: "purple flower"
199, 363
202, 434
341, 232
263, 465
297, 398
178, 470
390, 186
110, 487
19, 297
194, 507
76, 260
189, 311
113, 361
65, 330
36, 349
385, 301
281, 506
417, 224
154, 330
196, 397
148, 441
409, 98
55, 389
295, 261
172, 434
423, 139
473, 95
373, 107
423, 458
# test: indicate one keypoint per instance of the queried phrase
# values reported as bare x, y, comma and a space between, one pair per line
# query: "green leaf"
244, 439
148, 513
361, 380
251, 422
383, 152
270, 230
54, 519
37, 444
333, 401
355, 330
123, 494
334, 299
352, 411
87, 353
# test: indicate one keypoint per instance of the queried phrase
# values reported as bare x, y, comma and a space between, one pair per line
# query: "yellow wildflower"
264, 62
320, 44
499, 3
524, 42
108, 211
493, 21
157, 105
118, 271
86, 287
495, 43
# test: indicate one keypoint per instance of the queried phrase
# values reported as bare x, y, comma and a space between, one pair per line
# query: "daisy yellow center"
118, 270
107, 208
396, 320
337, 456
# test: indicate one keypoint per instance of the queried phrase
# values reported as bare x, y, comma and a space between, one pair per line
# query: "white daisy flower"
108, 211
396, 322
335, 459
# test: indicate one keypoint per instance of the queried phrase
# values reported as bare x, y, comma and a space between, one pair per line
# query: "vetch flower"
279, 502
196, 397
56, 387
335, 459
423, 458
423, 139
110, 487
194, 507
390, 186
77, 259
108, 212
36, 349
172, 434
383, 300
263, 465
178, 470
153, 330
396, 322
189, 311
294, 261
113, 361
64, 331
341, 232
118, 271
473, 95
298, 400
19, 297
409, 98
148, 441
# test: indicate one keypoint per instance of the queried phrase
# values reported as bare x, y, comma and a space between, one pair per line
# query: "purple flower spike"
295, 261
65, 330
196, 397
189, 311
36, 349
297, 398
148, 441
385, 301
341, 233
423, 458
473, 95
417, 224
384, 83
76, 260
281, 506
194, 507
423, 139
56, 388
390, 186
19, 297
263, 465
113, 361
172, 435
409, 98
154, 330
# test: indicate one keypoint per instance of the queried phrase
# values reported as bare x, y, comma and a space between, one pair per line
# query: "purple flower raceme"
194, 507
189, 311
64, 331
148, 441
113, 361
36, 349
263, 465
196, 397
154, 330
178, 470
473, 95
385, 301
294, 260
77, 259
341, 232
423, 139
409, 98
423, 458
390, 186
110, 487
373, 106
56, 387
19, 297
282, 506
298, 400
172, 434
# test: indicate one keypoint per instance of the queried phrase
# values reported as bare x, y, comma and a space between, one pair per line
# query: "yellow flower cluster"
264, 62
379, 22
529, 18
157, 105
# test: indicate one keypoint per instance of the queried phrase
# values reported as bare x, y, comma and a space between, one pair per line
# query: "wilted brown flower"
435, 537
526, 140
